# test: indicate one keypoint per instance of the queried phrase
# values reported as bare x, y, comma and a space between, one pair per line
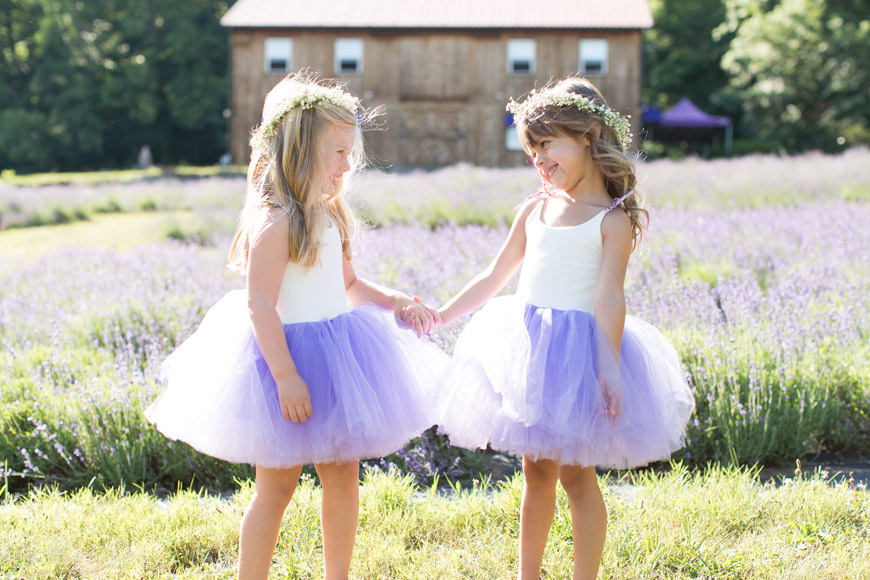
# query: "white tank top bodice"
315, 293
562, 265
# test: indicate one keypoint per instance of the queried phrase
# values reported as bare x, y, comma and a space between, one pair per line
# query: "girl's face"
562, 161
338, 144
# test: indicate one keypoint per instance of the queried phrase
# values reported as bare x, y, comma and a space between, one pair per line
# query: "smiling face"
563, 162
337, 146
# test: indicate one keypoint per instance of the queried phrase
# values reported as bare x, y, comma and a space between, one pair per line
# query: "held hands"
612, 401
295, 398
418, 315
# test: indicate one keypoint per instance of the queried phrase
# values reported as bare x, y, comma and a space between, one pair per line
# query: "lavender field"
757, 269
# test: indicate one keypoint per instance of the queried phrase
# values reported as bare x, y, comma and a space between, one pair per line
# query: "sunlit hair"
534, 123
288, 171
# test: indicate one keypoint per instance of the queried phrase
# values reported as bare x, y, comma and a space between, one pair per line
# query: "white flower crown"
539, 100
312, 95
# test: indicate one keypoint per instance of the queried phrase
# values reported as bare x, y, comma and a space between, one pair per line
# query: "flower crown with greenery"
307, 98
537, 101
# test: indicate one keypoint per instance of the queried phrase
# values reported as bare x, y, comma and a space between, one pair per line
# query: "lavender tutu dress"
525, 371
369, 379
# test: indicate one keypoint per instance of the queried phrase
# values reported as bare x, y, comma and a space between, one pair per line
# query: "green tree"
87, 84
801, 70
22, 127
682, 55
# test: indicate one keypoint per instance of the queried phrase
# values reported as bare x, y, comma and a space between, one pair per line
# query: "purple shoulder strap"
618, 201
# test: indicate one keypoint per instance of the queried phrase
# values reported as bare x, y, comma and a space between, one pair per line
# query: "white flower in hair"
307, 98
537, 101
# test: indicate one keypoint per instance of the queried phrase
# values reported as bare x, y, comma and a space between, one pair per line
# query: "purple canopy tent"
686, 122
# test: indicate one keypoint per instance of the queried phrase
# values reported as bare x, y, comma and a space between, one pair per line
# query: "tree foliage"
800, 68
682, 55
87, 84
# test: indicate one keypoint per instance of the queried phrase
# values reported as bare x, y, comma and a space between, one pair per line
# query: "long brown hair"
605, 146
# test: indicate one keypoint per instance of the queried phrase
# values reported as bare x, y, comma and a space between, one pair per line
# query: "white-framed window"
348, 56
512, 139
593, 57
521, 56
279, 55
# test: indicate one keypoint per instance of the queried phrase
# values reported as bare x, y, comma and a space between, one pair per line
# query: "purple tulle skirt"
527, 380
370, 384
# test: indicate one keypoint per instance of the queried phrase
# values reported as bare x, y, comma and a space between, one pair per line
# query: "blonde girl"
308, 364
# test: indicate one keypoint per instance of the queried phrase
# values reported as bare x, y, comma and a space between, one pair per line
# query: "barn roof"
457, 14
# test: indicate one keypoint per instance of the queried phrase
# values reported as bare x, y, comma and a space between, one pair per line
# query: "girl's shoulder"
616, 225
528, 205
271, 217
524, 210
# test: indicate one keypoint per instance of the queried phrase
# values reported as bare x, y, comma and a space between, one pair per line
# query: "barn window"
279, 55
348, 56
593, 57
521, 56
512, 139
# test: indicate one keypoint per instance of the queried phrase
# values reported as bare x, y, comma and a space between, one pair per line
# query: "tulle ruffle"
527, 380
370, 384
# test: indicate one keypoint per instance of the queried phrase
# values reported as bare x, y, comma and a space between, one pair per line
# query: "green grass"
721, 524
116, 231
713, 523
9, 177
856, 192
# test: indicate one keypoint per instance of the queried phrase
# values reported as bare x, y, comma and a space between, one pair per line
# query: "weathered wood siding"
444, 92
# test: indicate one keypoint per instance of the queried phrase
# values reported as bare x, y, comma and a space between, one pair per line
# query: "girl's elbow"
258, 308
612, 302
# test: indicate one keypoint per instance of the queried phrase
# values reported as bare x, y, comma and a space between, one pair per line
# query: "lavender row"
767, 308
466, 194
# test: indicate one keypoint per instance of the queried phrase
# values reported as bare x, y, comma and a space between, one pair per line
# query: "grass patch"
708, 272
117, 176
856, 192
721, 523
119, 231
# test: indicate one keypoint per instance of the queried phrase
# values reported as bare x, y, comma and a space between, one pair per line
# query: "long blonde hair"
606, 134
288, 167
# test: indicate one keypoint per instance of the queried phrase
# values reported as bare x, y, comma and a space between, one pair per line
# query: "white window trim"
605, 62
517, 49
512, 139
340, 55
267, 61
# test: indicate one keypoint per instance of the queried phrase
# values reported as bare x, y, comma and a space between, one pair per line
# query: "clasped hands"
417, 314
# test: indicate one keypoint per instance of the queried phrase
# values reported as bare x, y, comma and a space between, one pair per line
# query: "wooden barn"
444, 69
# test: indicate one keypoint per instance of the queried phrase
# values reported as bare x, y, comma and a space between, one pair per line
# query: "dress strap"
540, 194
618, 201
268, 204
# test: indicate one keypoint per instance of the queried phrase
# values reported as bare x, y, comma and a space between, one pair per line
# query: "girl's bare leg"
273, 489
339, 515
588, 518
536, 514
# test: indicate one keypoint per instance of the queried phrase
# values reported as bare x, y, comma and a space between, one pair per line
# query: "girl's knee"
540, 473
338, 474
276, 497
579, 482
275, 486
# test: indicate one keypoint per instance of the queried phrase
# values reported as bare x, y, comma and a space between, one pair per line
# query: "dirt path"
838, 467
